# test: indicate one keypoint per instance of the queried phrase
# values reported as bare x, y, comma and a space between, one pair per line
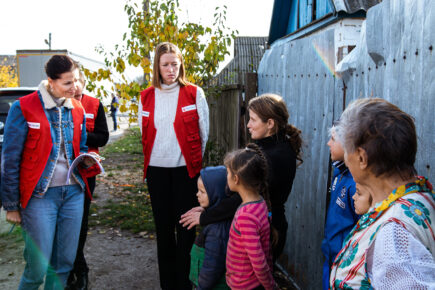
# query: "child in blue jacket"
207, 268
341, 217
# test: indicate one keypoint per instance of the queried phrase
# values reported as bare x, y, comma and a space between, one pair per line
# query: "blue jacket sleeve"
15, 135
213, 267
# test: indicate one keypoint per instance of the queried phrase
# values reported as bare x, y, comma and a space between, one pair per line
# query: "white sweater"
166, 151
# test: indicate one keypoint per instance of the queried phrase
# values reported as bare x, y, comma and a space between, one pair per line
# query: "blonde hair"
162, 48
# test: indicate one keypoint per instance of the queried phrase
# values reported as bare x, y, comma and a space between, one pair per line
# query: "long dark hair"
271, 106
250, 165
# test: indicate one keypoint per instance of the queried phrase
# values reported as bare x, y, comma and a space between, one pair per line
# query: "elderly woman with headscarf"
393, 245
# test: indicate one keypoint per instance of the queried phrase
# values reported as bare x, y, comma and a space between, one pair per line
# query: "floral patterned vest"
411, 205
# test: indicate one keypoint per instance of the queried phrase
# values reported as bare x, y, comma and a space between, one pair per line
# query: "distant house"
31, 64
248, 52
28, 65
324, 54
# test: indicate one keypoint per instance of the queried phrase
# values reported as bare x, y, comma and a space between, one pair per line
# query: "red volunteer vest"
186, 128
38, 143
90, 104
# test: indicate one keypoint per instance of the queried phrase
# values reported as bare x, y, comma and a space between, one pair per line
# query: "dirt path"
119, 259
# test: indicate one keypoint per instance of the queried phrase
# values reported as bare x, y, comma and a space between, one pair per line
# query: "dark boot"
82, 281
71, 282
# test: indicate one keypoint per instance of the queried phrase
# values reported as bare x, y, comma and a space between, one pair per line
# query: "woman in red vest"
173, 116
43, 134
97, 136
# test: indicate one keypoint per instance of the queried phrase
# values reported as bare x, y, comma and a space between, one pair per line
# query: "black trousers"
80, 265
280, 224
172, 193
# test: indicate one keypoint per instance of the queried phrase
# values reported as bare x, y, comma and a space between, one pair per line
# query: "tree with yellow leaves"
203, 48
8, 77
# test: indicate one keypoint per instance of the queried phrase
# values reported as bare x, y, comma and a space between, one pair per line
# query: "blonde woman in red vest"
44, 132
173, 116
98, 135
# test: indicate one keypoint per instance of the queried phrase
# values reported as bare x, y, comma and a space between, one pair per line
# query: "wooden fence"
228, 118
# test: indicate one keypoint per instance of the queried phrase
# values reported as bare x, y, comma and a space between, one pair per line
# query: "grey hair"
349, 125
385, 132
332, 130
81, 74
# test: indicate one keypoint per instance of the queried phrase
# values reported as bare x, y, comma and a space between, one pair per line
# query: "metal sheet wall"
296, 71
400, 38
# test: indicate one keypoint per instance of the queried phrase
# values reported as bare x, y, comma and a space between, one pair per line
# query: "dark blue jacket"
341, 216
214, 237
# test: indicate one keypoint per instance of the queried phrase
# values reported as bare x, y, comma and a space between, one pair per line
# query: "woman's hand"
191, 218
13, 216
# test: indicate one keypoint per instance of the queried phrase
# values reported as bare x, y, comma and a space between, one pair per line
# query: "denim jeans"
51, 226
115, 122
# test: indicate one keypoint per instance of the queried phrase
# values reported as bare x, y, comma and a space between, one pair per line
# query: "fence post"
250, 92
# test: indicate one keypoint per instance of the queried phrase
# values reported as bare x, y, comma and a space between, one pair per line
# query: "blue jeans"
51, 226
115, 123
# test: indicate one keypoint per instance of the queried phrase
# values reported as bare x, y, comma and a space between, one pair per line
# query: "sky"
81, 25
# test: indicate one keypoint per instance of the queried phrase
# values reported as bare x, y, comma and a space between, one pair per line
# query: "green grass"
130, 143
16, 236
134, 213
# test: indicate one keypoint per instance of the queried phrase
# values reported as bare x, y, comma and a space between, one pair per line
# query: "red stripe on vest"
186, 126
38, 144
90, 104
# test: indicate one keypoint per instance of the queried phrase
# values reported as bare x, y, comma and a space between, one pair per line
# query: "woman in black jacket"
281, 143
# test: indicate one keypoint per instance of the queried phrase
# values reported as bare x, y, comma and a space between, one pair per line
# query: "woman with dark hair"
281, 143
44, 132
393, 245
173, 117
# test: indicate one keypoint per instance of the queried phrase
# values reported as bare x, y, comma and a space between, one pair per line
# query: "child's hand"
191, 218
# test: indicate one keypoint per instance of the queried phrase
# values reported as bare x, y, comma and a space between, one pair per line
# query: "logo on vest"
340, 203
334, 183
33, 125
343, 192
145, 114
188, 108
89, 116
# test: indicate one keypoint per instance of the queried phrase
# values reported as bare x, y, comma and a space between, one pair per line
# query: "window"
303, 12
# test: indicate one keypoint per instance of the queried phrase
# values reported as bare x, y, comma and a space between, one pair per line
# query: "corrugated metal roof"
352, 6
248, 52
